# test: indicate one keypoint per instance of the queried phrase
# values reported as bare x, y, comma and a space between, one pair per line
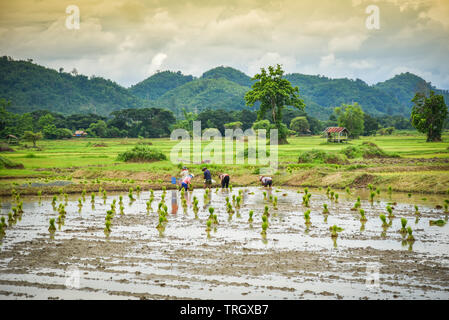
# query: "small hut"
80, 133
12, 139
336, 134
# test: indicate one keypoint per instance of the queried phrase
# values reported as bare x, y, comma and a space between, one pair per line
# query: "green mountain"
404, 86
230, 74
202, 94
158, 84
31, 87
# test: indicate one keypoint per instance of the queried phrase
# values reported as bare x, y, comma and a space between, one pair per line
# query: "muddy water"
233, 260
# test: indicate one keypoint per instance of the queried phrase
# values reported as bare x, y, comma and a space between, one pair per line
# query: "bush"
366, 150
246, 152
8, 164
141, 154
320, 156
5, 148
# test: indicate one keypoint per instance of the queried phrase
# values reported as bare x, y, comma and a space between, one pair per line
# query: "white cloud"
156, 62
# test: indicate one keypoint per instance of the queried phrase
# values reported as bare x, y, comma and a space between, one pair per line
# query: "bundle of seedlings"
307, 218
334, 231
403, 229
362, 216
439, 223
250, 219
325, 209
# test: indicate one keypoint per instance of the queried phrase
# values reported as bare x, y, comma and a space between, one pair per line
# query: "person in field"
186, 181
184, 173
266, 181
207, 178
224, 178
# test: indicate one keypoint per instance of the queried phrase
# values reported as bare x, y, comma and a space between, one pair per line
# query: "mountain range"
30, 86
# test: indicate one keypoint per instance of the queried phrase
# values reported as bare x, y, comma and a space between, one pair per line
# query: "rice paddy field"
187, 257
79, 224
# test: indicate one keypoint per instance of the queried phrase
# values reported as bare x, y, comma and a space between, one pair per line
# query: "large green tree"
351, 117
32, 137
273, 92
428, 115
300, 125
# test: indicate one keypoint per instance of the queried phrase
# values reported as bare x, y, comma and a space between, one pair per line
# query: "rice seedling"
122, 209
266, 211
325, 209
265, 195
307, 217
138, 189
107, 226
348, 191
409, 195
410, 237
238, 199
332, 195
403, 230
53, 202
148, 203
2, 231
383, 218
83, 194
20, 207
3, 223
334, 231
438, 223
39, 194
208, 224
130, 195
446, 206
10, 218
264, 228
52, 227
229, 208
372, 195
306, 190
275, 203
92, 197
362, 215
390, 212
60, 221
251, 212
417, 210
377, 190
80, 203
336, 197
370, 186
230, 187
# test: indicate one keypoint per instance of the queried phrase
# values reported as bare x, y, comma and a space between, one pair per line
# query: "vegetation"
141, 154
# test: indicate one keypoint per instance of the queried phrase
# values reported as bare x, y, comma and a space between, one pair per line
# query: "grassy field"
421, 167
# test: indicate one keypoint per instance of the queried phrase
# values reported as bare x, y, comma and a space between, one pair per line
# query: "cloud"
127, 41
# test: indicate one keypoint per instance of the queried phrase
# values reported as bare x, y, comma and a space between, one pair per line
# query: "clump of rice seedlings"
80, 203
390, 212
195, 205
60, 221
383, 218
372, 195
120, 199
403, 230
20, 207
104, 194
151, 193
164, 189
306, 190
446, 206
53, 202
439, 223
230, 187
409, 195
2, 231
332, 195
83, 194
370, 186
122, 209
307, 217
264, 228
328, 190
184, 204
275, 203
251, 212
130, 194
336, 197
265, 195
182, 192
410, 237
238, 199
190, 187
334, 231
39, 194
325, 209
362, 215
266, 211
417, 210
138, 189
208, 225
92, 197
10, 218
348, 191
52, 227
271, 198
229, 208
3, 223
107, 226
357, 204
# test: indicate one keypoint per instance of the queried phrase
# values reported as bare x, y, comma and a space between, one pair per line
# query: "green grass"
78, 158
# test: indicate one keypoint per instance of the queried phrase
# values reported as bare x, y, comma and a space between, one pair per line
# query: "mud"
136, 261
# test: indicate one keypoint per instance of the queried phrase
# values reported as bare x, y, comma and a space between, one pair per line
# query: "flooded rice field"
136, 260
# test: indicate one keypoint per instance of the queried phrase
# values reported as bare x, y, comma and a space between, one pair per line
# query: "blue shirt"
207, 175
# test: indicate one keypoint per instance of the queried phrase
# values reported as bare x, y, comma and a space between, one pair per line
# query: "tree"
371, 125
46, 120
233, 125
429, 114
351, 117
32, 137
300, 125
274, 93
98, 129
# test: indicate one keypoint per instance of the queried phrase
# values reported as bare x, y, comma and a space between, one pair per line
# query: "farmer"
184, 172
207, 178
224, 177
186, 181
266, 181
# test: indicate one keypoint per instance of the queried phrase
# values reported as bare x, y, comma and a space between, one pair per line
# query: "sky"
128, 41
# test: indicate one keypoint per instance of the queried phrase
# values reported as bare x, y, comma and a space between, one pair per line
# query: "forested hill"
158, 84
31, 87
404, 86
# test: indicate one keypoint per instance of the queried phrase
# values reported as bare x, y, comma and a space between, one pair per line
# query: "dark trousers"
225, 182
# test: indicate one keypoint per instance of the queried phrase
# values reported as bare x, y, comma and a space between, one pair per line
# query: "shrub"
320, 156
366, 150
8, 164
141, 154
